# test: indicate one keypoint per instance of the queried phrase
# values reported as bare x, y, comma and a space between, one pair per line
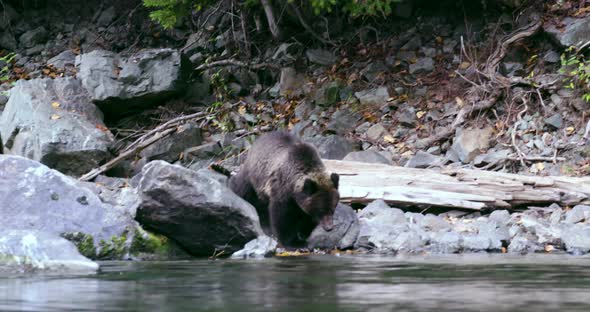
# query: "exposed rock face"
122, 85
572, 31
35, 197
342, 236
200, 213
30, 251
54, 122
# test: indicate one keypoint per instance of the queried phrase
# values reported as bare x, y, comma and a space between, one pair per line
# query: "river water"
316, 283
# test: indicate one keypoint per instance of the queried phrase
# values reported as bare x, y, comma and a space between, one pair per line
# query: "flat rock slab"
54, 122
31, 251
200, 213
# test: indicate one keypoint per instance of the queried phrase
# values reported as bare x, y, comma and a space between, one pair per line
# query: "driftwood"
454, 188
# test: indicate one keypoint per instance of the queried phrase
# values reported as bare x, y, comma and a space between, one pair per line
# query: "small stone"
555, 121
373, 70
373, 97
578, 214
321, 57
368, 157
343, 121
471, 142
261, 247
422, 65
551, 57
434, 223
423, 160
33, 37
500, 216
376, 132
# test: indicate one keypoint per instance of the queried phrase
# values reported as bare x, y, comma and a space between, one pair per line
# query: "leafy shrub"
167, 12
577, 71
4, 68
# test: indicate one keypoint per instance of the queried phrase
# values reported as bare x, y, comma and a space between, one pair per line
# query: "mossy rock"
84, 243
150, 246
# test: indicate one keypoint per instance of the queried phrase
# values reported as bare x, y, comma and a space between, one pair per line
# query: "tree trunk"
272, 24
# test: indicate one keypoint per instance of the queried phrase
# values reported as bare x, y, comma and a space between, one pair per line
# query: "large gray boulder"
342, 236
199, 213
387, 230
54, 122
122, 85
31, 251
332, 146
35, 197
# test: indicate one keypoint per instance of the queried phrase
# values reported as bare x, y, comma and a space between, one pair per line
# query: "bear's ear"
335, 179
310, 186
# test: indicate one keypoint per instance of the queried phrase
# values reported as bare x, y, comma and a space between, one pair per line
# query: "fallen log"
454, 188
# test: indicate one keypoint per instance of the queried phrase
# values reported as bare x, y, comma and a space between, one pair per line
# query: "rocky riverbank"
80, 95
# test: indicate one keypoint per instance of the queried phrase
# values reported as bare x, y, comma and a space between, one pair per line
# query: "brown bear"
285, 179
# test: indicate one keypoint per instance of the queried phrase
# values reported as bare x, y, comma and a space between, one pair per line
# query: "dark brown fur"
285, 179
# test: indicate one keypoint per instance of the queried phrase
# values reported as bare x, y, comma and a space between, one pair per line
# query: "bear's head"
318, 197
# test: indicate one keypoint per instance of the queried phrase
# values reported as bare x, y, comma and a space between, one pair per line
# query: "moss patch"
84, 242
146, 242
115, 248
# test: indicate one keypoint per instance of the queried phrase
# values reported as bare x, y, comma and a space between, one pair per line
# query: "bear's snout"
327, 223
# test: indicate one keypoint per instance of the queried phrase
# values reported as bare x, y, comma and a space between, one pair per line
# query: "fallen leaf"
540, 166
420, 114
408, 154
102, 128
549, 248
55, 116
570, 130
242, 110
389, 139
55, 104
296, 253
464, 65
459, 101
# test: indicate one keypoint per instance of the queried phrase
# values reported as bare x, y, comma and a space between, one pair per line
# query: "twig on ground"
520, 154
234, 62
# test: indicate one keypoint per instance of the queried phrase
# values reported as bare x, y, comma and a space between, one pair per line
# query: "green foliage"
4, 62
167, 12
577, 71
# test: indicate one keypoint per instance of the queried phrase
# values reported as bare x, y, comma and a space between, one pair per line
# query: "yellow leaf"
389, 139
464, 65
570, 130
295, 253
55, 104
459, 101
55, 116
540, 166
420, 114
408, 154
